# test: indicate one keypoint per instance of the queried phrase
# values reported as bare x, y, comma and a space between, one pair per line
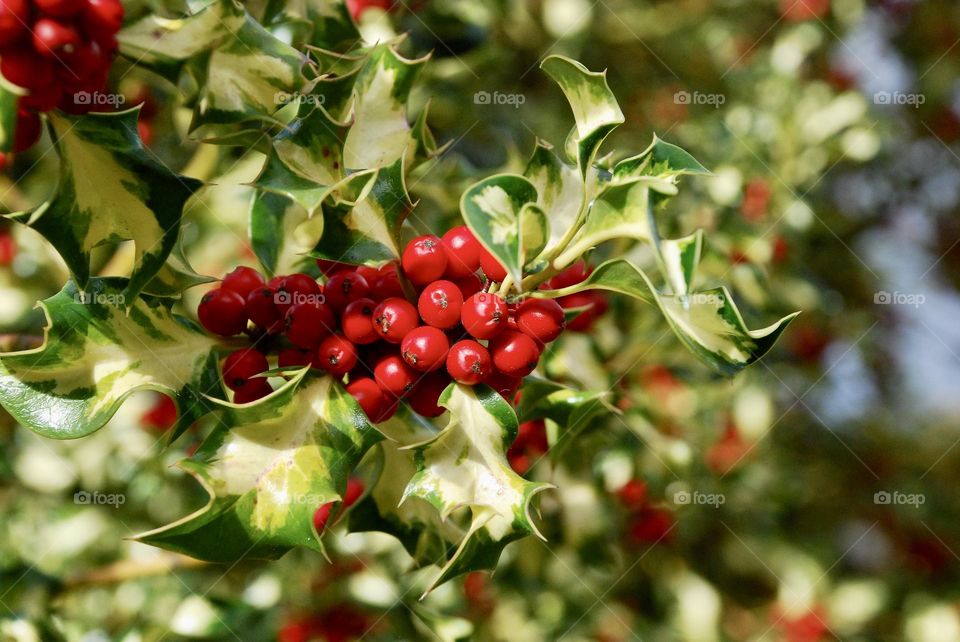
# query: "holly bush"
400, 321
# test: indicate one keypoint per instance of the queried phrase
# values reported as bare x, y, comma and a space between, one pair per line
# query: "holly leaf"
267, 467
661, 159
274, 221
706, 321
595, 108
562, 193
175, 276
465, 466
502, 213
98, 349
111, 189
8, 116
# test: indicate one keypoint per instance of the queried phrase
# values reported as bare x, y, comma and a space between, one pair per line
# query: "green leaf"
96, 352
175, 276
8, 116
501, 211
465, 466
111, 189
595, 108
661, 159
562, 192
274, 221
267, 467
706, 321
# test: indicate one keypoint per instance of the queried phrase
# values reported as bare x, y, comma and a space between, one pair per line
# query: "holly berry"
102, 19
491, 266
541, 319
387, 284
594, 304
469, 286
306, 324
425, 348
633, 494
52, 39
468, 362
394, 376
354, 491
242, 280
60, 8
576, 273
241, 366
423, 399
343, 288
222, 312
294, 358
357, 322
424, 260
322, 516
505, 385
440, 304
329, 268
369, 396
394, 318
161, 415
261, 308
43, 99
514, 353
27, 132
337, 355
256, 389
14, 17
484, 315
27, 69
463, 252
298, 288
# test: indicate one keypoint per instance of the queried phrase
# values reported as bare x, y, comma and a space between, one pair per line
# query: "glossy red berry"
27, 69
222, 312
484, 315
255, 389
14, 18
425, 348
52, 39
369, 396
424, 260
101, 19
43, 99
593, 304
357, 322
242, 280
60, 8
575, 273
261, 308
321, 517
354, 491
468, 362
463, 252
505, 385
27, 132
491, 266
423, 399
440, 304
343, 288
298, 288
241, 366
387, 284
367, 272
394, 318
306, 324
541, 319
337, 355
328, 268
514, 353
394, 376
294, 358
469, 285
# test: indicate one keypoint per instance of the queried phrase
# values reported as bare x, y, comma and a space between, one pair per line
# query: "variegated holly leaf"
362, 218
328, 24
267, 467
502, 212
595, 108
111, 189
562, 192
465, 466
661, 159
241, 69
706, 321
98, 349
8, 116
175, 276
274, 221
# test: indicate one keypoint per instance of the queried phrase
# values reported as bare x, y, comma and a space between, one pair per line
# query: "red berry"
491, 266
367, 272
298, 288
505, 385
594, 303
241, 366
337, 355
161, 415
514, 353
43, 99
424, 260
60, 8
532, 437
357, 322
242, 280
261, 308
440, 304
145, 131
27, 132
469, 362
541, 319
344, 287
394, 376
463, 252
320, 518
14, 18
358, 7
423, 398
8, 245
484, 315
394, 318
222, 312
306, 324
255, 389
27, 69
390, 407
576, 273
294, 358
387, 284
328, 268
633, 494
469, 286
369, 396
102, 18
425, 348
355, 488
52, 39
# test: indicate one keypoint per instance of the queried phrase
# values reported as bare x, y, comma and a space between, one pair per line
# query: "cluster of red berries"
592, 303
529, 446
60, 52
360, 324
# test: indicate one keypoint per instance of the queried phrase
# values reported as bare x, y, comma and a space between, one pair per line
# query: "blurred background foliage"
811, 498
